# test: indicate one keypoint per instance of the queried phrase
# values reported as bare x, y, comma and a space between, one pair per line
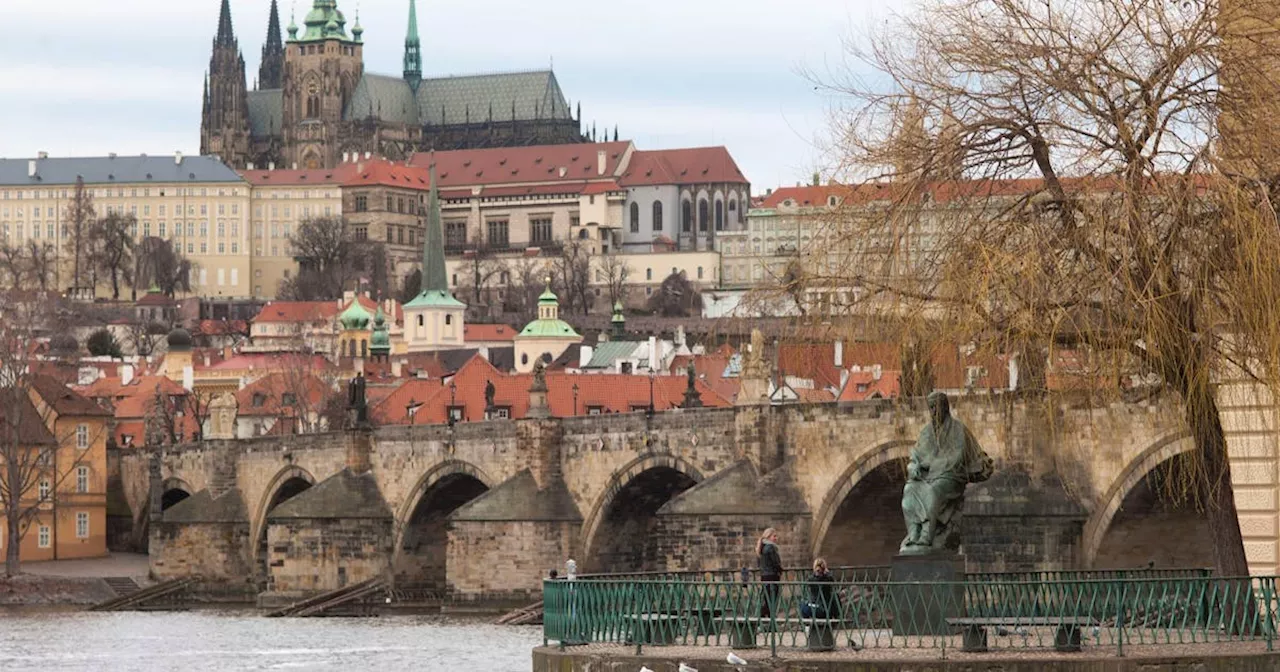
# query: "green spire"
435, 285
380, 343
413, 48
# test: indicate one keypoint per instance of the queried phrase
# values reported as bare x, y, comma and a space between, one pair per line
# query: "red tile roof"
155, 299
64, 400
386, 173
808, 361
265, 396
523, 165
695, 165
608, 392
489, 332
272, 361
863, 385
327, 176
297, 311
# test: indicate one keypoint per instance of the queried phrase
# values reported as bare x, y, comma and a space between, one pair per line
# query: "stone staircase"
122, 585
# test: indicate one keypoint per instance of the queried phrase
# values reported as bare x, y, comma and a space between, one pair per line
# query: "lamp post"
453, 400
652, 375
575, 398
408, 410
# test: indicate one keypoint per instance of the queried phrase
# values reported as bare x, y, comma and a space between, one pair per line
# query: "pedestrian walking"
770, 562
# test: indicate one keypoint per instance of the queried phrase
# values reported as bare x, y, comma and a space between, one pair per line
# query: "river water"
220, 641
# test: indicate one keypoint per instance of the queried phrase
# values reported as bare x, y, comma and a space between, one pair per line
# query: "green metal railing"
1093, 613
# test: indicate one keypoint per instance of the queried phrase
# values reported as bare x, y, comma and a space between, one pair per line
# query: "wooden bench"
1066, 638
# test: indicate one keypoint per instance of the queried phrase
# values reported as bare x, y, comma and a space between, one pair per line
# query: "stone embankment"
46, 591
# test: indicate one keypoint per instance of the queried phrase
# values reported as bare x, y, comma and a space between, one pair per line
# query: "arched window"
686, 216
448, 320
635, 218
703, 214
313, 106
420, 322
351, 348
364, 348
524, 359
719, 215
584, 234
657, 215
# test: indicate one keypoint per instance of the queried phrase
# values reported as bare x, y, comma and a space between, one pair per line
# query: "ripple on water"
223, 641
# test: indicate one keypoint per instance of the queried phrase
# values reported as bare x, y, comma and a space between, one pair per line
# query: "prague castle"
313, 101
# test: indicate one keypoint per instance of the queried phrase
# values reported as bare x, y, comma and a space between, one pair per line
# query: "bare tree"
528, 280
111, 247
31, 473
676, 297
41, 264
1094, 213
573, 270
478, 279
81, 219
158, 262
13, 263
330, 261
615, 272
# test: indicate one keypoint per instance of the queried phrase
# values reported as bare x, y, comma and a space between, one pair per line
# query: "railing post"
1120, 619
1268, 593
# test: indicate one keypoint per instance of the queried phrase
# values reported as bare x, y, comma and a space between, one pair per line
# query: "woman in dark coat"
822, 601
770, 569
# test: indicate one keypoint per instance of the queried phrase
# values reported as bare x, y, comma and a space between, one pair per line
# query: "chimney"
600, 162
206, 360
397, 367
188, 378
177, 158
226, 352
346, 157
563, 170
271, 165
584, 356
484, 352
42, 155
368, 155
249, 165
653, 353
295, 165
126, 374
359, 167
839, 354
31, 168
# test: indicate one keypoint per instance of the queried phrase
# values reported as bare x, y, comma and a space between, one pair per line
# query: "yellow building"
197, 203
280, 200
68, 432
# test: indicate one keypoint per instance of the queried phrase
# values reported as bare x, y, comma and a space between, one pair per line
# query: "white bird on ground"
645, 669
686, 668
735, 659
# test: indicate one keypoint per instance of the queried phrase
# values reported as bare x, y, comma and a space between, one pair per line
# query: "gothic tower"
413, 50
272, 69
321, 69
224, 124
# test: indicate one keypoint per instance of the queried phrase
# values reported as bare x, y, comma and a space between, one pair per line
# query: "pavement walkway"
134, 565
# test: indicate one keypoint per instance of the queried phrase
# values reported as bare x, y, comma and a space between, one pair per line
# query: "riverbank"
32, 590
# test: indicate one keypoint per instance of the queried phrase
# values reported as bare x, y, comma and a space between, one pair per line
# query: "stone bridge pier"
481, 511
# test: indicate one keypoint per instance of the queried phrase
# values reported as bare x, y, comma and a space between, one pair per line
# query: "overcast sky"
88, 77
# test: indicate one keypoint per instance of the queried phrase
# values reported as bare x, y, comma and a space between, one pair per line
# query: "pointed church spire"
271, 70
413, 49
433, 271
226, 36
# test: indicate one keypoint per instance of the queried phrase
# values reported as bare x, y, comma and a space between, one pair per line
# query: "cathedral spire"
226, 36
413, 49
271, 71
433, 271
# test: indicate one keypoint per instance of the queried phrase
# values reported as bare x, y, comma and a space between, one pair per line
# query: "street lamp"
453, 400
408, 410
575, 398
652, 375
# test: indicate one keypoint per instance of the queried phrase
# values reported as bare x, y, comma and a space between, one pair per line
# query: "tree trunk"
1214, 488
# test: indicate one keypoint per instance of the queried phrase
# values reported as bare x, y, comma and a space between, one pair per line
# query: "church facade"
313, 102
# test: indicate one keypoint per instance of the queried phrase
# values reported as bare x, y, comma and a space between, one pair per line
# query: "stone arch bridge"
483, 510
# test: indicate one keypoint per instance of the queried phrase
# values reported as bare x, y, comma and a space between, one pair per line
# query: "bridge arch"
1095, 529
876, 457
419, 556
656, 474
174, 490
287, 483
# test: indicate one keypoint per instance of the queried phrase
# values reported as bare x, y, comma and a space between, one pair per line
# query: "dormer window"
259, 399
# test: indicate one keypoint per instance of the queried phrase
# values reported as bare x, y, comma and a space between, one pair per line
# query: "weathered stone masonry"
483, 510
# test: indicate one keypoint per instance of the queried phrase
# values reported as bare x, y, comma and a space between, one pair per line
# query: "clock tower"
322, 65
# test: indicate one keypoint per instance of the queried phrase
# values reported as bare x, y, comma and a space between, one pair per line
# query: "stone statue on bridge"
945, 460
357, 406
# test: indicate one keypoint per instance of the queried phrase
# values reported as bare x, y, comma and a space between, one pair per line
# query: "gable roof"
98, 170
526, 165
265, 396
383, 97
488, 332
293, 178
30, 430
694, 165
64, 400
297, 311
533, 95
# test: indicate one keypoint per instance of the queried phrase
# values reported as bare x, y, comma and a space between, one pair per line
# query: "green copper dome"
324, 21
549, 324
380, 343
355, 317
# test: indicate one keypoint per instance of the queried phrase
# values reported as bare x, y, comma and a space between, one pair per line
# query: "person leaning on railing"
821, 586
